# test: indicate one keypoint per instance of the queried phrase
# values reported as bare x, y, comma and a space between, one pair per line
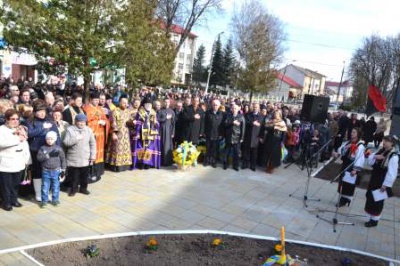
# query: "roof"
177, 29
345, 83
288, 80
308, 72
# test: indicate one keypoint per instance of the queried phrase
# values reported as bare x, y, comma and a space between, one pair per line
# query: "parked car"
333, 106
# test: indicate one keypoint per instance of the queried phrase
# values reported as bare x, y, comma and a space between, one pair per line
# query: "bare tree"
376, 63
257, 37
185, 14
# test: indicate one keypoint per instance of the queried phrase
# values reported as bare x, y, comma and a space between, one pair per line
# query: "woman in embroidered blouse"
352, 155
384, 172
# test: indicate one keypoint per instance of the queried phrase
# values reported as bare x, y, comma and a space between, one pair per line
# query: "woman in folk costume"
100, 125
74, 108
146, 146
119, 155
384, 172
352, 155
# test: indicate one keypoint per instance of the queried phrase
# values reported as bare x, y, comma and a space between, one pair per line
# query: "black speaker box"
314, 109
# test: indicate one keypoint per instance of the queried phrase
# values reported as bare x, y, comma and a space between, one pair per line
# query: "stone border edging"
175, 232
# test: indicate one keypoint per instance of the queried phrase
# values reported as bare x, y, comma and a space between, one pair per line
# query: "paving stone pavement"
204, 198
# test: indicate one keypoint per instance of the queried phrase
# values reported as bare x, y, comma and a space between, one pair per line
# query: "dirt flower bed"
187, 250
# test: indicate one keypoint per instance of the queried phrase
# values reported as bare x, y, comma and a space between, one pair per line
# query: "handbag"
92, 176
27, 179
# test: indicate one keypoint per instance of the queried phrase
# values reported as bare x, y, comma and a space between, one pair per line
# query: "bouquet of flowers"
185, 155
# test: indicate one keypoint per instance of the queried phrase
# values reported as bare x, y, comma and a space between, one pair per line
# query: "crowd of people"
48, 135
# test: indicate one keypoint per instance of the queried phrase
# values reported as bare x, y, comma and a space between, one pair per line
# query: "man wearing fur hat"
81, 152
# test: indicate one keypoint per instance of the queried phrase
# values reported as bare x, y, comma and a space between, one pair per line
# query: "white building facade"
182, 73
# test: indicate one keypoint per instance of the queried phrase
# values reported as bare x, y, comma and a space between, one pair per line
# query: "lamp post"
211, 62
283, 76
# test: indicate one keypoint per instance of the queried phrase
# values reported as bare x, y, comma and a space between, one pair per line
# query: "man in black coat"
178, 137
234, 126
193, 121
253, 122
213, 123
354, 123
369, 130
343, 123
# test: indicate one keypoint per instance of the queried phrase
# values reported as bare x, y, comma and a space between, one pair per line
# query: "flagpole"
366, 103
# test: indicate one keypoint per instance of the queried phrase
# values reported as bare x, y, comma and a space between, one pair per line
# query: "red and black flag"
376, 101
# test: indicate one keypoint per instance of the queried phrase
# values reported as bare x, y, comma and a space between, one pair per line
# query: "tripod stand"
335, 221
309, 176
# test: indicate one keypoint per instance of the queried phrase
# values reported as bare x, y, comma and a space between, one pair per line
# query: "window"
180, 66
189, 58
188, 68
181, 55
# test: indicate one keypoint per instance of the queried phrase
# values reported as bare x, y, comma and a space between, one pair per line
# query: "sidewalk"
203, 198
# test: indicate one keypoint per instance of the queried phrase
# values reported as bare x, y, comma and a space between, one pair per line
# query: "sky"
321, 35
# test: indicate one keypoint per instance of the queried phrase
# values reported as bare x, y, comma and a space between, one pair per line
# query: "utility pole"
340, 84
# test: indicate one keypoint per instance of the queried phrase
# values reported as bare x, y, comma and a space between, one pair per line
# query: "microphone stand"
335, 221
309, 176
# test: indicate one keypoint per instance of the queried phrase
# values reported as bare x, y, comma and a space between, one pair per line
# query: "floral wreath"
186, 154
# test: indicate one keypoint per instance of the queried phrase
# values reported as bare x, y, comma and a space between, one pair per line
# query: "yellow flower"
217, 242
152, 242
278, 247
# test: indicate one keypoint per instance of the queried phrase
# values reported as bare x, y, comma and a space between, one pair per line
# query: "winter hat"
95, 95
39, 107
80, 117
51, 135
146, 100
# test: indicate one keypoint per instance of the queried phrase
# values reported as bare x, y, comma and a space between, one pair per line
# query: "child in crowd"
52, 159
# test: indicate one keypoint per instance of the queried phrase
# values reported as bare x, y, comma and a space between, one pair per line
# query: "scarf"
352, 147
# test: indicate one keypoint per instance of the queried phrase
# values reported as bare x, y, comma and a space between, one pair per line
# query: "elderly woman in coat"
14, 156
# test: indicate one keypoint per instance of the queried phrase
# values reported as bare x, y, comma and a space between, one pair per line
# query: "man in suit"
213, 122
193, 121
234, 128
253, 122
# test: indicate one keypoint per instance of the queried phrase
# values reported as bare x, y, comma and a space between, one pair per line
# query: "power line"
319, 44
316, 63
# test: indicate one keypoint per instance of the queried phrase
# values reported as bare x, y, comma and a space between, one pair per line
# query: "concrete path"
203, 198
